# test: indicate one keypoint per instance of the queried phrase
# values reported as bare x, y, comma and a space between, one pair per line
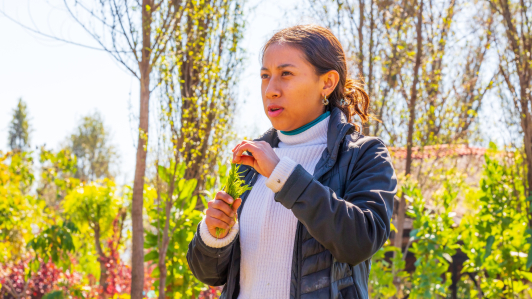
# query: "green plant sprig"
235, 187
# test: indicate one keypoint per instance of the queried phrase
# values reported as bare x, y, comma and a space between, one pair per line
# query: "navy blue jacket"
344, 211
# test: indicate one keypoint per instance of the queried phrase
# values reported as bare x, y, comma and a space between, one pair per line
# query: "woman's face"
292, 92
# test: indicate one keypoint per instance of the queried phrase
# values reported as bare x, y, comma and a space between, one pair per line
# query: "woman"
322, 192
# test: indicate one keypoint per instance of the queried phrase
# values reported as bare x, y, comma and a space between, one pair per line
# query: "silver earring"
342, 102
325, 101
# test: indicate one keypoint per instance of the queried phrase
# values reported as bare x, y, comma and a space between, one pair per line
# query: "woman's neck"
307, 126
312, 135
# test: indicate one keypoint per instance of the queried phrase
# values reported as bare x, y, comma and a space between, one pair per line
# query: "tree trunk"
520, 43
137, 256
162, 263
102, 259
526, 125
360, 62
398, 240
166, 239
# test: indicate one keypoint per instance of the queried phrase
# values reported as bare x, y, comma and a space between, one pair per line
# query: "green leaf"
234, 186
181, 167
163, 173
489, 244
186, 188
151, 256
203, 200
527, 275
54, 295
529, 259
191, 204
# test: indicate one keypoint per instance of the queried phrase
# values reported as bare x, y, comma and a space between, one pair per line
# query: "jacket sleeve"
208, 264
354, 227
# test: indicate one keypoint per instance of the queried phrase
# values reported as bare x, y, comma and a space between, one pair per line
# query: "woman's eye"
264, 76
286, 73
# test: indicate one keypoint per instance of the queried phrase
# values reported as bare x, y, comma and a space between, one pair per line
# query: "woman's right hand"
220, 214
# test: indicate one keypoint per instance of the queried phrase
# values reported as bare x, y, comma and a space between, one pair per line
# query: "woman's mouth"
274, 111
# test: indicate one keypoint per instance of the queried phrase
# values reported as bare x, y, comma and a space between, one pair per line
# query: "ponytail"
356, 101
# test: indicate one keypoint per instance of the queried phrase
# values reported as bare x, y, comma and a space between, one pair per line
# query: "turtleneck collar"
316, 133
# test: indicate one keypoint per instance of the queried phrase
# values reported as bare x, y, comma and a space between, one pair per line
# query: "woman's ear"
330, 80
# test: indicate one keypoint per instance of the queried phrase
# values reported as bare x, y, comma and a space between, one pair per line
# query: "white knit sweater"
267, 229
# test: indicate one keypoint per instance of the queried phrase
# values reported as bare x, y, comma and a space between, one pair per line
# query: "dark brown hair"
323, 50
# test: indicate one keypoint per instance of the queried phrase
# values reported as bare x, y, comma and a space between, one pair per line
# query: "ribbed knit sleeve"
212, 241
280, 174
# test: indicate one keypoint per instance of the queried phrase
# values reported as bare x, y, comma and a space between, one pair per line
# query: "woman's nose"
272, 89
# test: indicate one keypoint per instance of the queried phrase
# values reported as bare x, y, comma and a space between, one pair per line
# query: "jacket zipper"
299, 259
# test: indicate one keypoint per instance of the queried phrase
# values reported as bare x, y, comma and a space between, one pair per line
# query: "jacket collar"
338, 128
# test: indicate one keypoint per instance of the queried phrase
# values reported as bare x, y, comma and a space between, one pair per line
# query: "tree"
19, 128
196, 109
376, 40
515, 67
56, 177
96, 207
16, 177
452, 89
198, 96
398, 240
173, 221
495, 234
136, 34
32, 246
90, 143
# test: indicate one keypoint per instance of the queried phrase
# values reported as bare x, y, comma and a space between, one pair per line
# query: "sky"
61, 82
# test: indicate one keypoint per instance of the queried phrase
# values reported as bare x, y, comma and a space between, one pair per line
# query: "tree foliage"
493, 234
91, 144
198, 91
497, 236
434, 239
173, 222
19, 128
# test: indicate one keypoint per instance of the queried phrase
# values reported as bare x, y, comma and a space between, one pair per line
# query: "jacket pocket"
341, 277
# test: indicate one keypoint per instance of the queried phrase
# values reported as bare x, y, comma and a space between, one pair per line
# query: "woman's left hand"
264, 159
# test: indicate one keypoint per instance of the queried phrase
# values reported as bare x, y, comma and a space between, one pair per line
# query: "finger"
237, 204
222, 195
237, 145
213, 222
240, 143
234, 152
223, 206
220, 205
248, 146
247, 160
237, 148
220, 216
240, 151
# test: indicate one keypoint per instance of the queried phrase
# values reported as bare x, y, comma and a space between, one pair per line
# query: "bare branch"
124, 33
